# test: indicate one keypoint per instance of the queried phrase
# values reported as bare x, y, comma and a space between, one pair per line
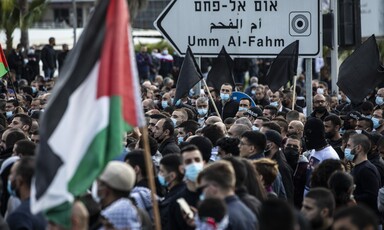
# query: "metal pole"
308, 84
74, 21
335, 49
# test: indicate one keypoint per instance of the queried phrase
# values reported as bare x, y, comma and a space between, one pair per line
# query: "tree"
19, 14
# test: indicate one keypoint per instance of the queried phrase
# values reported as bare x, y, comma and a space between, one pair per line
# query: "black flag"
284, 67
361, 72
189, 76
221, 71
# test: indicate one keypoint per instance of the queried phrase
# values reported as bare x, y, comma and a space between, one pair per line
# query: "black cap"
352, 115
254, 112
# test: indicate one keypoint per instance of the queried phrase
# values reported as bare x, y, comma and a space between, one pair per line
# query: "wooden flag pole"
210, 96
151, 179
13, 87
294, 92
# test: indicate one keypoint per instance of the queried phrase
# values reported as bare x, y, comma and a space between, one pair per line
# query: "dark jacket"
250, 201
175, 217
168, 146
48, 57
165, 203
240, 217
229, 109
286, 174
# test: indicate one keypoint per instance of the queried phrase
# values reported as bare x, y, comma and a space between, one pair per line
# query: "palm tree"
19, 14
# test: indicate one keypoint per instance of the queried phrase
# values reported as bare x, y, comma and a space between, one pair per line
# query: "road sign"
244, 27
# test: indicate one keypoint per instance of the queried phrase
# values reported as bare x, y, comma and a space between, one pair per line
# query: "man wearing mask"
170, 177
377, 119
186, 129
350, 120
276, 101
259, 96
320, 107
179, 116
192, 164
379, 100
163, 134
244, 105
318, 148
227, 107
365, 174
20, 180
202, 107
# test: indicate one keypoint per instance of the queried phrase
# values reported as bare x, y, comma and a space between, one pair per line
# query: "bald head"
212, 120
237, 130
296, 128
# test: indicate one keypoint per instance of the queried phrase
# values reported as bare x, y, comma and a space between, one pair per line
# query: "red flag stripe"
2, 58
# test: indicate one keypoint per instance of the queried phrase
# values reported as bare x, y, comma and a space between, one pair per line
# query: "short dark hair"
153, 146
168, 125
171, 163
25, 119
272, 125
189, 126
189, 148
14, 102
212, 207
25, 148
14, 135
323, 171
257, 139
363, 140
213, 133
157, 116
324, 199
229, 145
362, 217
335, 120
246, 99
204, 145
26, 169
137, 158
272, 108
220, 172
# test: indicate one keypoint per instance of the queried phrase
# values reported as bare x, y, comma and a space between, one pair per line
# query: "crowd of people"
262, 163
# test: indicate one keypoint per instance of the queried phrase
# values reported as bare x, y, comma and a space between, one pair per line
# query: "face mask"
172, 99
193, 170
162, 181
156, 102
339, 97
253, 92
243, 109
224, 96
320, 91
348, 100
274, 103
164, 104
8, 114
348, 154
34, 90
376, 122
292, 156
180, 139
11, 190
174, 121
321, 109
165, 52
202, 112
94, 192
255, 128
202, 197
379, 100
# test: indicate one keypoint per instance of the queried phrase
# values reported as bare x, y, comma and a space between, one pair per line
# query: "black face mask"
320, 109
292, 156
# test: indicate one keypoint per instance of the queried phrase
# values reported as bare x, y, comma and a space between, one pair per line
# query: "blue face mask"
162, 181
376, 122
11, 191
174, 121
164, 104
172, 99
379, 100
255, 128
253, 92
202, 112
178, 102
243, 109
202, 197
348, 100
8, 114
34, 90
192, 171
180, 139
274, 103
348, 154
224, 96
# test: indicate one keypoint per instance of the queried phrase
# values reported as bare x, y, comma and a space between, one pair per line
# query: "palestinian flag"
3, 63
96, 100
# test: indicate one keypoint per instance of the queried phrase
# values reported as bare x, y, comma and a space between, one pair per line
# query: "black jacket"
48, 57
168, 146
229, 109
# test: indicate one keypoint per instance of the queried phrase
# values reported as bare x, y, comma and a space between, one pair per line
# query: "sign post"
246, 28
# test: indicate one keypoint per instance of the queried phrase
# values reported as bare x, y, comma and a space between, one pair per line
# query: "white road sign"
243, 27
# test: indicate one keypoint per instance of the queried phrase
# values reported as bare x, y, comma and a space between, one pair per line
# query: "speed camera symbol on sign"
300, 23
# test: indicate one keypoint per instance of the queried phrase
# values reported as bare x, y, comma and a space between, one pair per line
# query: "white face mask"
94, 194
320, 91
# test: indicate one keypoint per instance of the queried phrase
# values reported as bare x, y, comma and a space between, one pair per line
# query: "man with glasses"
320, 107
252, 145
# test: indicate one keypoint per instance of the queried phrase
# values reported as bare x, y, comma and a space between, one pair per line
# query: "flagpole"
294, 92
13, 87
151, 179
210, 96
